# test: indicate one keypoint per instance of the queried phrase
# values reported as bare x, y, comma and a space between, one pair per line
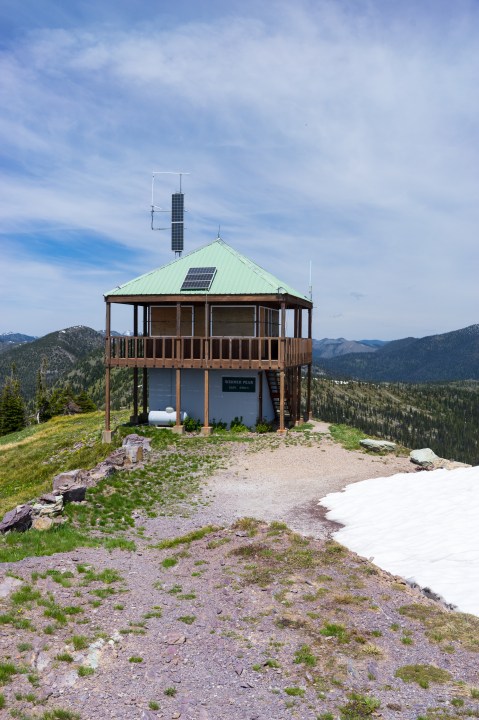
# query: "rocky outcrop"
378, 445
71, 486
18, 519
426, 459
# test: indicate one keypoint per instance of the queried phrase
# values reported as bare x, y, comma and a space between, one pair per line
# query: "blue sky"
339, 132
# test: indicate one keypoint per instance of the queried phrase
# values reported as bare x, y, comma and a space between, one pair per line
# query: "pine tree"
12, 406
84, 401
42, 396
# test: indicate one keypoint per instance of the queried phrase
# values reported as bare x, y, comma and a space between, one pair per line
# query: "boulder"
425, 458
378, 445
117, 457
41, 522
8, 585
48, 509
134, 453
99, 472
72, 477
48, 498
18, 519
73, 493
134, 439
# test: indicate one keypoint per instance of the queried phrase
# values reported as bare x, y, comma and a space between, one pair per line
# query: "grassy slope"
30, 458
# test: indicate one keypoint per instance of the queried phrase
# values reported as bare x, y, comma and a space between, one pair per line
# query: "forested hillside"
62, 349
442, 416
89, 374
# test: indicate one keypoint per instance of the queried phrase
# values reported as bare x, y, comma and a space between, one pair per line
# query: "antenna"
177, 212
311, 280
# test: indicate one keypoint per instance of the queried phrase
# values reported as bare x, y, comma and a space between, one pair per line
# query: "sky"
422, 527
338, 133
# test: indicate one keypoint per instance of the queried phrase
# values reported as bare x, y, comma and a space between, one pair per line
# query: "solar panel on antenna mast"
177, 222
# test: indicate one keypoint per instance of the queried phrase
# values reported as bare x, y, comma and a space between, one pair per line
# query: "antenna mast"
177, 213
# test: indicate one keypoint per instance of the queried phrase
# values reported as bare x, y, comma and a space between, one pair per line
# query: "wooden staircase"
272, 376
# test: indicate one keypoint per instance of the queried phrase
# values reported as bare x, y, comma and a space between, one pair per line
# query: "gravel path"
287, 484
235, 624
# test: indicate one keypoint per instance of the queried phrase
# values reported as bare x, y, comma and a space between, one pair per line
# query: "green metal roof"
235, 275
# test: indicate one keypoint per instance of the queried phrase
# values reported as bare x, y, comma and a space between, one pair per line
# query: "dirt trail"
287, 484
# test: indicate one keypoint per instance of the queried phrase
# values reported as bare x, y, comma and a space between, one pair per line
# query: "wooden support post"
207, 429
299, 416
106, 437
310, 335
281, 428
178, 428
144, 414
134, 417
308, 397
260, 396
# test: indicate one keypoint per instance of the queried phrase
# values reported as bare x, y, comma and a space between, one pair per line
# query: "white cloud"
328, 132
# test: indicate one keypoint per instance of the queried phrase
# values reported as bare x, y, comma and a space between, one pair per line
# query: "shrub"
192, 425
237, 425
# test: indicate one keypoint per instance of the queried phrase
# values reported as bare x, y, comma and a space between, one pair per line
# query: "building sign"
239, 384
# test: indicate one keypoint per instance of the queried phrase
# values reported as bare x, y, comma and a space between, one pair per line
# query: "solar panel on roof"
199, 278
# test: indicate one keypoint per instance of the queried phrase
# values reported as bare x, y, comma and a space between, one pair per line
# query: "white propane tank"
165, 417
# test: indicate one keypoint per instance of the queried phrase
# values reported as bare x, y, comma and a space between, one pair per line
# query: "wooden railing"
200, 352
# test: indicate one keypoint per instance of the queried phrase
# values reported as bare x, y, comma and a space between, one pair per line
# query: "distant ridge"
334, 347
445, 357
9, 340
62, 349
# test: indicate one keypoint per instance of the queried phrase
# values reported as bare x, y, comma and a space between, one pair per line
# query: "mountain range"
445, 357
75, 355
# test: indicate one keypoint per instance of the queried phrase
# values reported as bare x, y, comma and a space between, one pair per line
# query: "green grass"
304, 656
347, 436
187, 619
61, 538
442, 626
85, 671
423, 675
294, 691
80, 642
22, 455
64, 657
188, 538
359, 706
7, 671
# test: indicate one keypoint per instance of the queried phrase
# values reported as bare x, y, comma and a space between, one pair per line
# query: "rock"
135, 439
8, 585
18, 519
134, 453
74, 493
73, 477
100, 471
41, 523
117, 457
378, 445
425, 458
48, 509
174, 639
48, 498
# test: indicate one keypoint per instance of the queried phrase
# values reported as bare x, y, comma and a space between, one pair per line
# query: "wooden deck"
246, 353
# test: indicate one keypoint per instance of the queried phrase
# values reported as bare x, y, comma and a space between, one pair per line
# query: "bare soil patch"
251, 621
